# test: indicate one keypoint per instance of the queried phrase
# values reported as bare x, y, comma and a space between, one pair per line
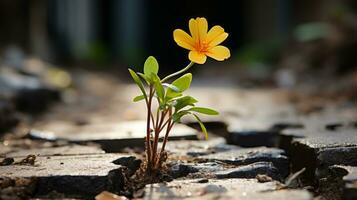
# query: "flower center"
201, 47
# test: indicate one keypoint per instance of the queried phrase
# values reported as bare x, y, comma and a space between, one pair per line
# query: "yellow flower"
202, 43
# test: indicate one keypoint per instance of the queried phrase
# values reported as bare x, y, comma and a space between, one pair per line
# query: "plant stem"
162, 119
157, 117
152, 116
178, 72
168, 129
148, 130
156, 139
167, 121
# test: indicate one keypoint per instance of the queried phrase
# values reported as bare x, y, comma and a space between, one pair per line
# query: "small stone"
262, 178
129, 161
7, 161
203, 180
109, 196
29, 160
180, 170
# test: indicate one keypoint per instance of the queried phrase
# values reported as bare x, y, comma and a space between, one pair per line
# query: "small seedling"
172, 104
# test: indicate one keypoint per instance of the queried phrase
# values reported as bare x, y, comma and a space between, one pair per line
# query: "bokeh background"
47, 47
121, 33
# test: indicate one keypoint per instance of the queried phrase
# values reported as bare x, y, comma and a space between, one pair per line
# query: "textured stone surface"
320, 139
53, 151
258, 132
112, 137
222, 171
251, 171
349, 178
83, 175
199, 148
252, 155
318, 148
222, 189
237, 163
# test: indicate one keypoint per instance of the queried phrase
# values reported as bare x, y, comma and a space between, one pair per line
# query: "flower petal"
219, 53
183, 39
216, 35
218, 40
193, 29
197, 57
214, 32
202, 27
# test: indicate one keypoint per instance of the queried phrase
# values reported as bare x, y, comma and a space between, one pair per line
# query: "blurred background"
51, 50
121, 33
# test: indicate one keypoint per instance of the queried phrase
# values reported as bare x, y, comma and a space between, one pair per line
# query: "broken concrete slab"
199, 148
252, 155
319, 148
322, 138
197, 170
258, 132
222, 171
111, 136
266, 131
81, 175
348, 174
222, 189
350, 180
236, 163
251, 171
54, 151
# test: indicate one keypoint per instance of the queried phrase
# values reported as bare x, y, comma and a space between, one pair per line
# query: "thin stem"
178, 72
157, 117
152, 116
167, 122
162, 119
148, 130
168, 129
156, 139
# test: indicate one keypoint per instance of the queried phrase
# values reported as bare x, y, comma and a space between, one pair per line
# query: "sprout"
172, 103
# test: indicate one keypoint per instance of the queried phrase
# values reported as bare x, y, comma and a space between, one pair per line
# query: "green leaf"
144, 77
184, 101
137, 81
160, 91
172, 87
203, 128
176, 117
182, 83
203, 110
151, 66
138, 98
